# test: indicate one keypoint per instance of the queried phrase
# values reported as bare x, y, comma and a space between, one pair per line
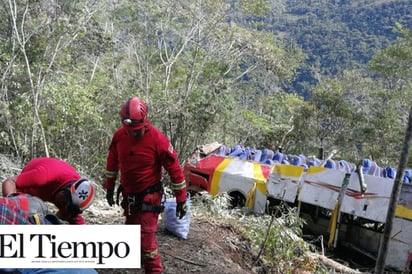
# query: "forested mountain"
301, 74
338, 35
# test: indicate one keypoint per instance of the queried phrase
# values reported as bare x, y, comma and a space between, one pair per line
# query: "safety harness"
37, 219
133, 202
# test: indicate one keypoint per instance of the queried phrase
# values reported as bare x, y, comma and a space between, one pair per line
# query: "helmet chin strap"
139, 133
72, 208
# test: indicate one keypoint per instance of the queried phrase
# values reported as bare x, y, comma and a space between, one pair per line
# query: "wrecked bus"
346, 204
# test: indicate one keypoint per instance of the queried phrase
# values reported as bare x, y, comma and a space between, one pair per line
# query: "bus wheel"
237, 199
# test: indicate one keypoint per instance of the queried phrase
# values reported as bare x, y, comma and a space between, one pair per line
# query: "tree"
195, 68
338, 115
394, 63
43, 41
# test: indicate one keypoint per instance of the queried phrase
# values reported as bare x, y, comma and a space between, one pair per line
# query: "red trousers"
148, 226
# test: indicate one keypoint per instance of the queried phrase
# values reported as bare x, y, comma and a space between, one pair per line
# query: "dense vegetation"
339, 35
261, 73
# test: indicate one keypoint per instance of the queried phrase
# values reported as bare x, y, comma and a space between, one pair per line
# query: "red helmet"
134, 113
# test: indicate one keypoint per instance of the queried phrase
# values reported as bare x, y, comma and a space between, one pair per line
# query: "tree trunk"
403, 161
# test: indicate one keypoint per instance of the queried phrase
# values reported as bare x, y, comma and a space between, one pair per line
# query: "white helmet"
82, 193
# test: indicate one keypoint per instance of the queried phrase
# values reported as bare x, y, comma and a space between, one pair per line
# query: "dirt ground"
211, 246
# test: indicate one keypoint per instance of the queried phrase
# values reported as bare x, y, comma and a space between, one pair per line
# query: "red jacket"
43, 177
140, 162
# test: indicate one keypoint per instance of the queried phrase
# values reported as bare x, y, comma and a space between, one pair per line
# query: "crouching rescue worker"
139, 151
54, 180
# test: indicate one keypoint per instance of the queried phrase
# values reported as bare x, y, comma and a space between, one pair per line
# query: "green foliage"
278, 237
72, 120
394, 62
206, 73
15, 118
194, 80
338, 35
264, 120
43, 98
283, 246
213, 206
354, 110
210, 71
255, 8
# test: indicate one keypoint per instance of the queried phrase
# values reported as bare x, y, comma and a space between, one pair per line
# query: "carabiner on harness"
131, 202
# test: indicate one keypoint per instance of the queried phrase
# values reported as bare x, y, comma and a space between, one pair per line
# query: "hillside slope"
213, 245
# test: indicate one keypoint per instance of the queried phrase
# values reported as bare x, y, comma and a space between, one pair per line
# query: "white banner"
70, 246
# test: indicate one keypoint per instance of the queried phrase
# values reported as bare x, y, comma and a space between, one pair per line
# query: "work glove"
118, 192
181, 209
109, 196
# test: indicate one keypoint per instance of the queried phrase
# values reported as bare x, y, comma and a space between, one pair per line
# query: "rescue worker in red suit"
56, 181
139, 151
